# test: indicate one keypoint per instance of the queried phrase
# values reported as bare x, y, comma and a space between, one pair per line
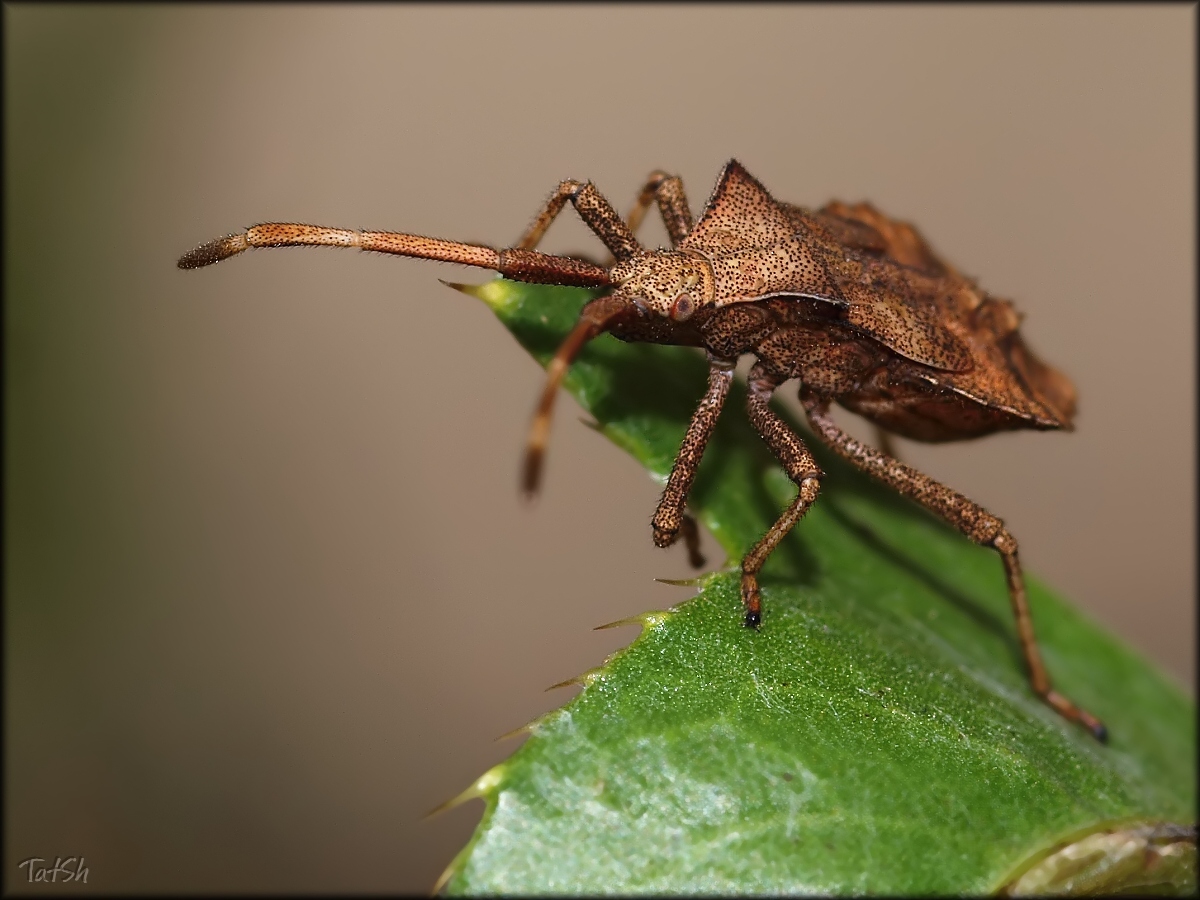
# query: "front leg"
972, 520
667, 191
669, 519
597, 213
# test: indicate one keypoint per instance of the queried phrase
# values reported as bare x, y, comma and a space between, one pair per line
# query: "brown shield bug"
854, 305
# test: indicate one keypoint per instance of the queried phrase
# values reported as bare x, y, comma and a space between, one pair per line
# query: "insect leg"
595, 317
516, 263
669, 519
691, 541
597, 213
883, 442
800, 467
667, 190
972, 520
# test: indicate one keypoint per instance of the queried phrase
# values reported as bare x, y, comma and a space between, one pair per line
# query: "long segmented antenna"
515, 263
593, 319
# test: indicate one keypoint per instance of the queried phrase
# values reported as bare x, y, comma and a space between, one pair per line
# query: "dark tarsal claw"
753, 619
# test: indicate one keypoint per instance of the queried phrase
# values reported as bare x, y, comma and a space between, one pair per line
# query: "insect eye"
683, 307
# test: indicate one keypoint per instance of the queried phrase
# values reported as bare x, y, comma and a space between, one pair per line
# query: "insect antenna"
516, 263
594, 318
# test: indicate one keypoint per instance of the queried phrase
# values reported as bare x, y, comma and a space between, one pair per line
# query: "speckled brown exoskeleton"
854, 305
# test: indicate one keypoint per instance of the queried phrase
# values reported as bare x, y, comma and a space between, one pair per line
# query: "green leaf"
877, 735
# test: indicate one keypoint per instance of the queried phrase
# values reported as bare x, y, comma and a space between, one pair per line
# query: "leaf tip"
654, 619
447, 873
484, 785
585, 679
527, 728
695, 581
532, 725
620, 623
646, 621
471, 290
489, 292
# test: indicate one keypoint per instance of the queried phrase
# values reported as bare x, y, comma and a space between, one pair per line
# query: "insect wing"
863, 227
760, 248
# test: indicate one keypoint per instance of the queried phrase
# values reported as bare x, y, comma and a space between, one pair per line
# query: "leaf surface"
877, 735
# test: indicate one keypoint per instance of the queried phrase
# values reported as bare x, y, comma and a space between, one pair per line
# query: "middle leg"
801, 468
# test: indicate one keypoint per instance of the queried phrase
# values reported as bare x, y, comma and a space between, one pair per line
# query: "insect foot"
752, 601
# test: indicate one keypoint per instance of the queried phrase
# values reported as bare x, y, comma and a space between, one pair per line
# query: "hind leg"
972, 520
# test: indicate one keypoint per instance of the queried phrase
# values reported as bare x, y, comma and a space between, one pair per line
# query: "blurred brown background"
270, 591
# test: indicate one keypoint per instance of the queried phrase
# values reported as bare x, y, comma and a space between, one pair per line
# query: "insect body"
854, 305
